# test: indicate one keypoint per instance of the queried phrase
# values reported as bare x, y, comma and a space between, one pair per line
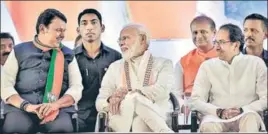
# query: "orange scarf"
191, 63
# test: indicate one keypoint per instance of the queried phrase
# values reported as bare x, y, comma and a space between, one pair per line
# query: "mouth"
249, 40
59, 39
124, 49
89, 34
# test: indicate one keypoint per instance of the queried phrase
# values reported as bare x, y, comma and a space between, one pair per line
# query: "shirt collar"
81, 49
264, 53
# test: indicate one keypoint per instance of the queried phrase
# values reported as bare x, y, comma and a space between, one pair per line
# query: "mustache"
250, 38
6, 53
60, 38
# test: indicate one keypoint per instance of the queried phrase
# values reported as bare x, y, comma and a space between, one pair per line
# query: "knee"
18, 123
138, 125
62, 124
210, 127
250, 116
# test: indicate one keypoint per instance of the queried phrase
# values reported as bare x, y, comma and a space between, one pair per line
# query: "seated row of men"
42, 79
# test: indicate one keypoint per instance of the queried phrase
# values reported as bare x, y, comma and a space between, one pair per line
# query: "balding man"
135, 90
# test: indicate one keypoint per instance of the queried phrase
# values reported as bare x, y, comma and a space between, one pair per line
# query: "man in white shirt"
135, 90
230, 90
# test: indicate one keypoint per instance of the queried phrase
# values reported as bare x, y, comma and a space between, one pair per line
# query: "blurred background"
168, 21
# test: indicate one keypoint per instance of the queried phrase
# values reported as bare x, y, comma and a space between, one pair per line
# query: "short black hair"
6, 35
47, 16
204, 18
235, 34
260, 17
89, 11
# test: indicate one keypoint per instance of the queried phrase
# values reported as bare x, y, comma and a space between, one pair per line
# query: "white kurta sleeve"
164, 84
178, 83
8, 76
108, 85
261, 89
200, 93
75, 81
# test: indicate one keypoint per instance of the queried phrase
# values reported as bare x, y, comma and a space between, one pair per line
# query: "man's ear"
102, 28
77, 30
42, 28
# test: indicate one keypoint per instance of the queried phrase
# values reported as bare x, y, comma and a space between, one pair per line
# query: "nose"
89, 27
198, 35
8, 49
248, 33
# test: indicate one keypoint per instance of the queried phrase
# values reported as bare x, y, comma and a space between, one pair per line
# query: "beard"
133, 51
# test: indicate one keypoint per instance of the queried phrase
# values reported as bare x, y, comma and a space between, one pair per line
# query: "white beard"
133, 51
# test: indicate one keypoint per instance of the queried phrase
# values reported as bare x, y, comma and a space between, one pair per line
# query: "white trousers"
139, 113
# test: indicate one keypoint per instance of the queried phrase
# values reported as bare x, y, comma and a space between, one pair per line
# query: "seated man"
203, 31
135, 90
41, 80
230, 90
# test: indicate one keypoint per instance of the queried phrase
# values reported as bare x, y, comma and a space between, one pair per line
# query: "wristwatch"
24, 104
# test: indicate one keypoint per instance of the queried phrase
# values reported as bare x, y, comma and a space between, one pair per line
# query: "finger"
117, 108
38, 114
42, 107
48, 111
112, 109
45, 110
44, 121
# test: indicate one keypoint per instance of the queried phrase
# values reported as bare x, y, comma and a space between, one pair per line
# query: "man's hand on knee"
31, 108
115, 100
230, 113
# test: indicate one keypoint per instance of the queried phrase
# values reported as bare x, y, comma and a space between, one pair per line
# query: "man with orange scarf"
135, 90
203, 30
41, 80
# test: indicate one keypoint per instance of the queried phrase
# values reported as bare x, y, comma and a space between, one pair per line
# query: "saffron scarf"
54, 78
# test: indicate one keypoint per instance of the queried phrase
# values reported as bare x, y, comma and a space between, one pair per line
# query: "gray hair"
141, 30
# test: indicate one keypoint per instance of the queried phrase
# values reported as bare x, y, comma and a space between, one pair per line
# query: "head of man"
203, 31
7, 43
90, 25
255, 30
229, 41
51, 26
134, 41
78, 41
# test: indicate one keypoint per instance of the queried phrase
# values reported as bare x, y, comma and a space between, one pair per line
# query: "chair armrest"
175, 102
102, 122
175, 113
265, 117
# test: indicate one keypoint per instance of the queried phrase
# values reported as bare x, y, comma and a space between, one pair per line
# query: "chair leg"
175, 121
194, 125
75, 122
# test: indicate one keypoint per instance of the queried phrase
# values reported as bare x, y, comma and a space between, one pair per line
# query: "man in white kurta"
139, 107
230, 90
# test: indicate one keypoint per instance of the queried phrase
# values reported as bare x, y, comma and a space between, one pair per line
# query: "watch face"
51, 97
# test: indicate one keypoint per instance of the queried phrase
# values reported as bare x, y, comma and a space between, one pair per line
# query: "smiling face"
224, 46
54, 33
202, 34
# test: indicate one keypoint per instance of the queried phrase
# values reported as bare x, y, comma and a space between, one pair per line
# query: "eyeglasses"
221, 42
